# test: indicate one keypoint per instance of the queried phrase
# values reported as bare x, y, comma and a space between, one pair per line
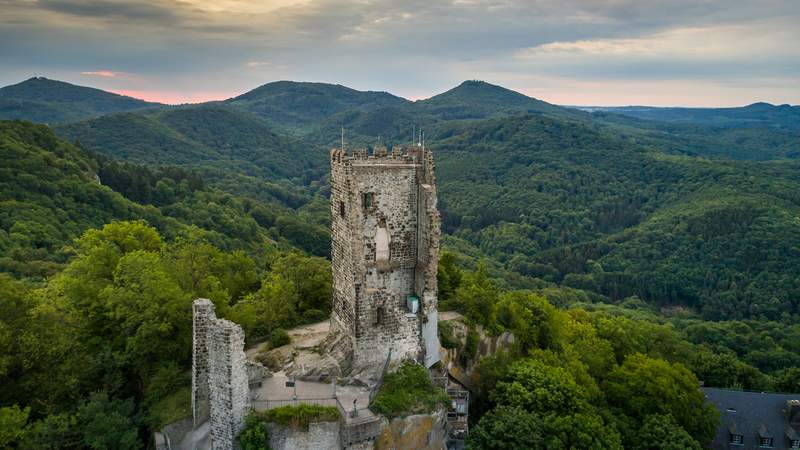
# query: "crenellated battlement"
382, 155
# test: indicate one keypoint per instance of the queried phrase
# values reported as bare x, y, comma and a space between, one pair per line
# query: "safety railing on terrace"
272, 404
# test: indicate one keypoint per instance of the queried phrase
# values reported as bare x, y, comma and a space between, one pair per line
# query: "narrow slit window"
368, 200
379, 315
341, 209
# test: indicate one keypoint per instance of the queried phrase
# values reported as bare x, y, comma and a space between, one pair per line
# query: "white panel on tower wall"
430, 335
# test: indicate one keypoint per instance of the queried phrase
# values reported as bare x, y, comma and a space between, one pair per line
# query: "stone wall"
374, 199
319, 436
220, 391
202, 318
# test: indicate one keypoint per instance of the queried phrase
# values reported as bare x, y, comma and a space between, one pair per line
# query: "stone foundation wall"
320, 436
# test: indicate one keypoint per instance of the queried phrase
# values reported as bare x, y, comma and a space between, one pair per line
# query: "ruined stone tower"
385, 233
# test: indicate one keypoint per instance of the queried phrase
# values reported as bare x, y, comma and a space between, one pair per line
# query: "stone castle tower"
385, 233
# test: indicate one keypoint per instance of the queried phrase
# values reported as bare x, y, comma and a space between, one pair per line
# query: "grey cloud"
125, 10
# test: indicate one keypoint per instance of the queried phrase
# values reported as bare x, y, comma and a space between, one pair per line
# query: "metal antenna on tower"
413, 133
342, 137
423, 140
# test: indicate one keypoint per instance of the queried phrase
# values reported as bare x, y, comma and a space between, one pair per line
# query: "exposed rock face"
385, 233
220, 391
423, 431
461, 366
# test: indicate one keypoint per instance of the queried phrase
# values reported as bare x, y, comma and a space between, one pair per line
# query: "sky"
569, 52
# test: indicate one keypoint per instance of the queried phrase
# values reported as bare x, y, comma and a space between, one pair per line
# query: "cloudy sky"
577, 52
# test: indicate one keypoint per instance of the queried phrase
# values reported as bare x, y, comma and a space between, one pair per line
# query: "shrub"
446, 337
470, 346
254, 435
314, 315
279, 337
299, 416
408, 390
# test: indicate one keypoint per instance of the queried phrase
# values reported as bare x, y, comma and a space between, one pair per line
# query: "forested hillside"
654, 255
51, 192
42, 100
592, 211
611, 204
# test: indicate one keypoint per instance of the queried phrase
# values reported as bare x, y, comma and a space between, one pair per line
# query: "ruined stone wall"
219, 376
202, 318
374, 199
343, 219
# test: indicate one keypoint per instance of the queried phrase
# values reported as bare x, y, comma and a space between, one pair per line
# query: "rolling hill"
476, 99
677, 214
297, 104
50, 101
52, 191
596, 212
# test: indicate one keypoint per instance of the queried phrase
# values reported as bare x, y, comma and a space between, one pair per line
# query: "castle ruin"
384, 258
385, 231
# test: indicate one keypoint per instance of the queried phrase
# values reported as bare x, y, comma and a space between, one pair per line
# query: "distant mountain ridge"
43, 100
294, 103
479, 99
758, 114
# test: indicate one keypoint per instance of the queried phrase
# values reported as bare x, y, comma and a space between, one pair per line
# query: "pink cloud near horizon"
176, 97
102, 73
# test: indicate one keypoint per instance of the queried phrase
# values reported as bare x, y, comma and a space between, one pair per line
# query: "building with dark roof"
755, 420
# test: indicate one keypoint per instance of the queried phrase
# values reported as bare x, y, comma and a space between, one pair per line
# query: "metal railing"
272, 404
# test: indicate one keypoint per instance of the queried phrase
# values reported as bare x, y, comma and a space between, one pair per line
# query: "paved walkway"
273, 393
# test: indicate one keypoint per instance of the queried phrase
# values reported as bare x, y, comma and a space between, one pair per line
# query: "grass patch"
446, 337
470, 349
299, 416
278, 338
406, 391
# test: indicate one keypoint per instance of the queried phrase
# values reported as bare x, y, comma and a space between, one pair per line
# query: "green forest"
626, 254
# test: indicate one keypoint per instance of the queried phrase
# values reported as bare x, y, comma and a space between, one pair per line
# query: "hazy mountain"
479, 99
755, 115
50, 101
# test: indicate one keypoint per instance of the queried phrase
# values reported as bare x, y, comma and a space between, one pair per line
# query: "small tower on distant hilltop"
385, 233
